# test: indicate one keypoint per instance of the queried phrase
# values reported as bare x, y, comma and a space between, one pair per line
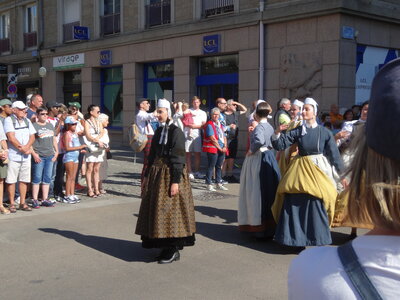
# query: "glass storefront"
218, 77
111, 95
72, 87
158, 81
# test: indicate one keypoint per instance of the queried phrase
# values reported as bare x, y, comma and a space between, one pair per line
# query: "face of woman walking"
308, 112
215, 116
162, 115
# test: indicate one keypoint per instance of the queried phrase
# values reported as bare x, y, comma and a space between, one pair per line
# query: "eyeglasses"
43, 114
223, 103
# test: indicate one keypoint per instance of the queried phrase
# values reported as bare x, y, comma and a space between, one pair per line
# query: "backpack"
137, 140
14, 121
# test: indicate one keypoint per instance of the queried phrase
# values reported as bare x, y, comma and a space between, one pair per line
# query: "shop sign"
81, 33
69, 61
24, 72
211, 44
105, 58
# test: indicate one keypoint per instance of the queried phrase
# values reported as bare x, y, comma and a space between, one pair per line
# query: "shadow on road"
228, 215
230, 234
125, 250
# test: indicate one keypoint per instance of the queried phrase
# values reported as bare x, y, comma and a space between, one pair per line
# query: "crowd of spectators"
43, 144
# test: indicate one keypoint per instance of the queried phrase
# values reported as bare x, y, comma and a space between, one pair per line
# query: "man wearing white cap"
21, 135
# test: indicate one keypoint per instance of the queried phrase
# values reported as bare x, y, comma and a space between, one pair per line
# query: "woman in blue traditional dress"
305, 200
259, 179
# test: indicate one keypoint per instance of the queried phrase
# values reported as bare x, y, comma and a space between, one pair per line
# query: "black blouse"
173, 151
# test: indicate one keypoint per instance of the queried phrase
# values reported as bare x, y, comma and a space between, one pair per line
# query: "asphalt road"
89, 250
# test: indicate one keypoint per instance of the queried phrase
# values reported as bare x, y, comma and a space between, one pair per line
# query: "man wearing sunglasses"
21, 135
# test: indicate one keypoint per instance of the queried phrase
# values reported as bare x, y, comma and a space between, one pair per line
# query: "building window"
217, 7
30, 34
158, 12
159, 81
71, 18
111, 95
110, 19
4, 32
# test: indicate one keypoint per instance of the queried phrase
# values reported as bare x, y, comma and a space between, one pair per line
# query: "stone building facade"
241, 49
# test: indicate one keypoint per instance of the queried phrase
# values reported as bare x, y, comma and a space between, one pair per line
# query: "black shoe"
167, 260
164, 253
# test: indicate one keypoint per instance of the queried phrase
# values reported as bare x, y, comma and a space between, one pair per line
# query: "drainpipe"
261, 54
40, 40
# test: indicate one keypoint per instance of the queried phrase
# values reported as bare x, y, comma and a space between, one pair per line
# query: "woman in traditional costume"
259, 179
166, 216
305, 199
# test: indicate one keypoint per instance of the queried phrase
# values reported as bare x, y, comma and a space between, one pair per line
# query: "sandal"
4, 211
97, 193
12, 209
91, 194
25, 208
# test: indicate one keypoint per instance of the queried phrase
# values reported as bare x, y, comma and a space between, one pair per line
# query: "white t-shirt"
22, 134
318, 273
199, 118
142, 122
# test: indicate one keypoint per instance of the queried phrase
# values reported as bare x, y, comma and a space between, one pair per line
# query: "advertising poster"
369, 61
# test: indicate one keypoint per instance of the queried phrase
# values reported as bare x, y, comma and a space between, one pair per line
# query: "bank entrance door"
208, 93
218, 77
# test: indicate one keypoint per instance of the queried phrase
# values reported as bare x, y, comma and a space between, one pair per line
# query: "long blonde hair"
374, 190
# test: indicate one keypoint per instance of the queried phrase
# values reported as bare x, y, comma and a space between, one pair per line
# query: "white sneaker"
191, 176
221, 187
211, 188
75, 197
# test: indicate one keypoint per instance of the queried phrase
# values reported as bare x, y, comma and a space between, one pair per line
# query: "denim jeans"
42, 171
53, 177
59, 180
215, 161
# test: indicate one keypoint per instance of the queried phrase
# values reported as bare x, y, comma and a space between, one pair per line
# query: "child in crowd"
72, 148
187, 120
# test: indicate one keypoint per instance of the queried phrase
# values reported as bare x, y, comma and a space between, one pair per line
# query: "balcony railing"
30, 39
68, 31
217, 7
110, 24
158, 13
4, 45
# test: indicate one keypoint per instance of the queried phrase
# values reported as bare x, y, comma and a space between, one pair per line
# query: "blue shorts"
71, 156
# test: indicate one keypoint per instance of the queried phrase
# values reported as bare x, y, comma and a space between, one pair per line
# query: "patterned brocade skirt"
166, 221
